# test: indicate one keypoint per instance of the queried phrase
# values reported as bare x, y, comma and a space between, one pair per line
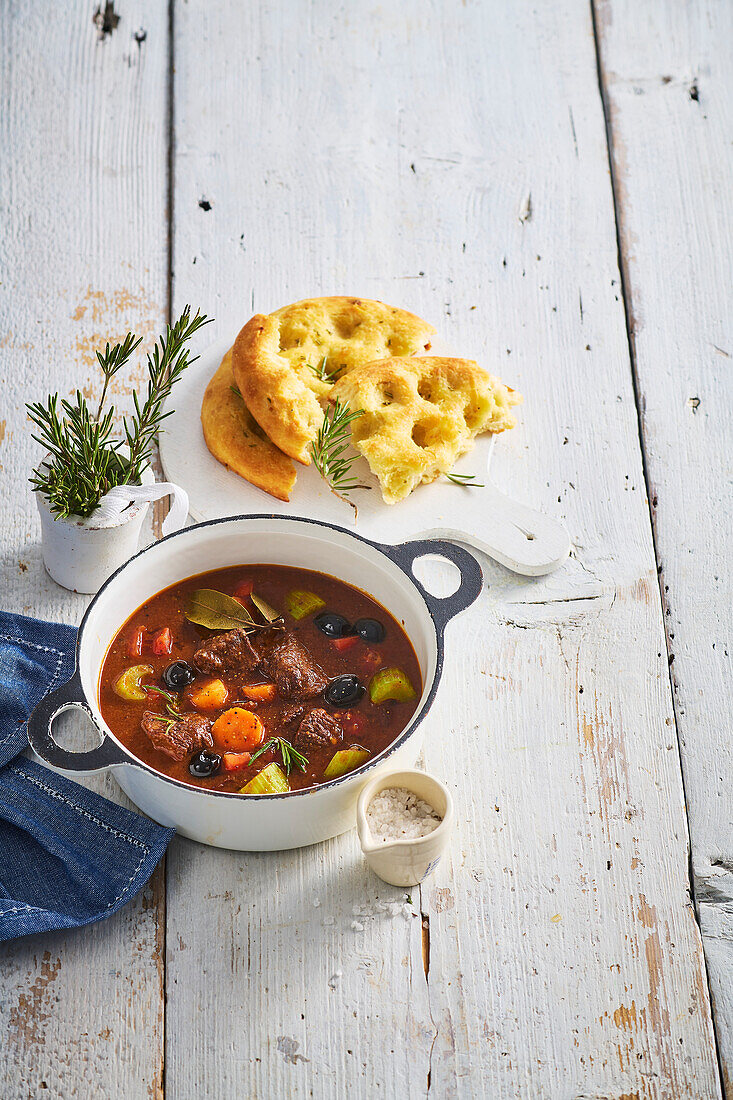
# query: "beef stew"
295, 679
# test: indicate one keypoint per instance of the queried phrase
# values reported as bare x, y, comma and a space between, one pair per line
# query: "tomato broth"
324, 688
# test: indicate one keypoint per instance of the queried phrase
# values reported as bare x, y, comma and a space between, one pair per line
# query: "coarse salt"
398, 814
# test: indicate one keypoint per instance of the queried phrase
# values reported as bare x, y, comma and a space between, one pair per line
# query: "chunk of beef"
317, 729
289, 715
230, 652
178, 739
290, 665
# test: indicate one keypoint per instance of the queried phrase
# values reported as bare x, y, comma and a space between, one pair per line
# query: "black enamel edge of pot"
110, 754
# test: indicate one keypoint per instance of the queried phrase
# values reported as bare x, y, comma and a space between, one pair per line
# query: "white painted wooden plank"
83, 253
453, 160
669, 90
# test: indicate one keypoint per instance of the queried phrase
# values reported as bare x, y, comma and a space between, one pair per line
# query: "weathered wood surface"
452, 159
83, 254
669, 93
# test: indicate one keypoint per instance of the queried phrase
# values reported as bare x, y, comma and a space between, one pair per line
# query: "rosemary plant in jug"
84, 459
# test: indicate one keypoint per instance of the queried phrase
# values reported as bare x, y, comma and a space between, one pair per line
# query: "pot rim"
331, 784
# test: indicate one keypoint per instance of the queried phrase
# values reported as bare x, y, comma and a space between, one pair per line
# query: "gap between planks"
160, 511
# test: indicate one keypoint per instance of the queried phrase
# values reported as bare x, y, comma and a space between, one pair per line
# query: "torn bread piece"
420, 415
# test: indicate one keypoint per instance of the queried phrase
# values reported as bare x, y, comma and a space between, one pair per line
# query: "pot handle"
40, 734
445, 608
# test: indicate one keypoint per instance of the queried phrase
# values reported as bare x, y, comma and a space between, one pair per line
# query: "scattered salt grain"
357, 926
335, 978
329, 920
316, 903
398, 814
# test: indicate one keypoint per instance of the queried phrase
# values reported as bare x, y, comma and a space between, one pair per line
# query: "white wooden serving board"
521, 538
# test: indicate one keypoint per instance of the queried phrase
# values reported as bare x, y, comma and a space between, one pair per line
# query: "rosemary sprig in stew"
291, 758
171, 705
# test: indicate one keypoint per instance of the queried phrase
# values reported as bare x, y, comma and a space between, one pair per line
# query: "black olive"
179, 675
332, 625
343, 691
204, 764
371, 630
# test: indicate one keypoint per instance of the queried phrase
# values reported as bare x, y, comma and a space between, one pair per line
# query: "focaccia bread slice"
420, 415
236, 440
284, 363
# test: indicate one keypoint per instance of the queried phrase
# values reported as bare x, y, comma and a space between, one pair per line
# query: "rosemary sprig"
171, 703
167, 722
84, 460
323, 373
464, 479
333, 439
112, 359
291, 758
165, 367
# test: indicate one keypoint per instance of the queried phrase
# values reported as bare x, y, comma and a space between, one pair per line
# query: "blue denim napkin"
67, 856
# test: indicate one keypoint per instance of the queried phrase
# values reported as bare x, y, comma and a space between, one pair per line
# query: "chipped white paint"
391, 151
670, 96
83, 258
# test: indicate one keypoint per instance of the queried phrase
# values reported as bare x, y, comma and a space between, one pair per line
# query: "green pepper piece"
271, 780
300, 603
128, 685
345, 760
391, 683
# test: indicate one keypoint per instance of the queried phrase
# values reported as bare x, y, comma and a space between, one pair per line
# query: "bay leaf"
265, 609
217, 611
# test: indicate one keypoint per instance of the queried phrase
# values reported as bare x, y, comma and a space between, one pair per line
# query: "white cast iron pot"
255, 822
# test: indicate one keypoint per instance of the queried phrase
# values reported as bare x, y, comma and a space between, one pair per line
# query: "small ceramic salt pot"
405, 862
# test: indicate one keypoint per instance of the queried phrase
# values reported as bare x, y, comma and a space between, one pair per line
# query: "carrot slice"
237, 730
263, 693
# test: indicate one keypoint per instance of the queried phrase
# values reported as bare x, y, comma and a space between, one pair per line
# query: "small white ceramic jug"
80, 554
406, 862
